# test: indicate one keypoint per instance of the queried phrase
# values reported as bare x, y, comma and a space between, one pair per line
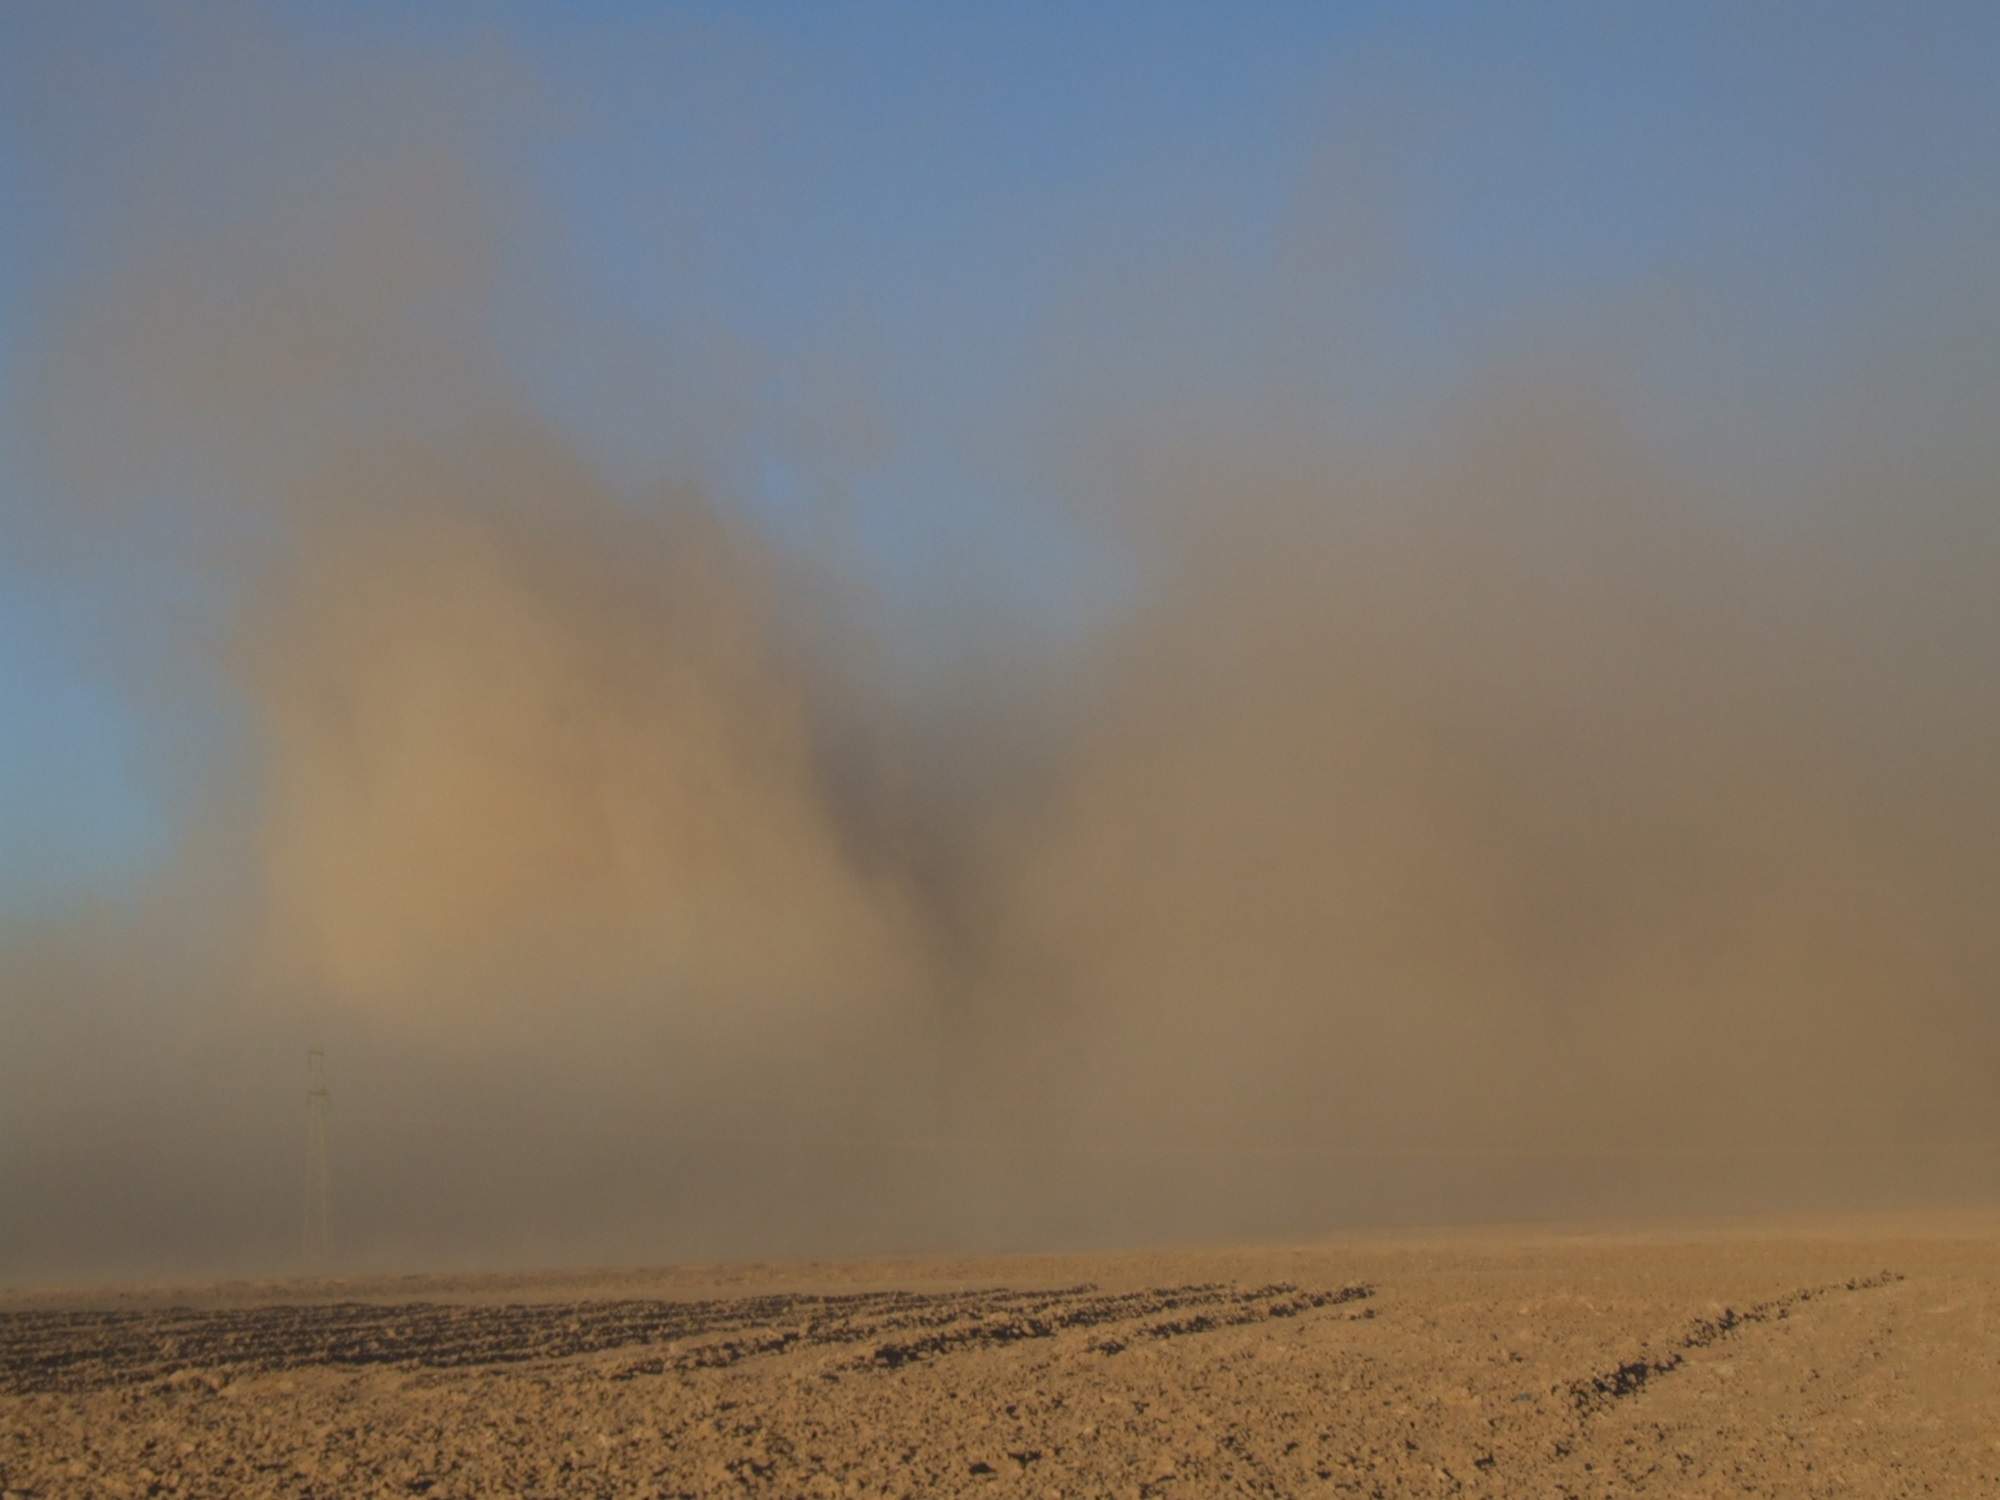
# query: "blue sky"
858, 239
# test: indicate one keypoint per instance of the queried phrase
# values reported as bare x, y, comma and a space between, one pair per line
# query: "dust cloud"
1490, 813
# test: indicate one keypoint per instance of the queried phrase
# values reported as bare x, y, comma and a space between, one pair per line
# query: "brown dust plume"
1483, 814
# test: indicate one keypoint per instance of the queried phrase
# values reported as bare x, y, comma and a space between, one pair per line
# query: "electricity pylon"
318, 1177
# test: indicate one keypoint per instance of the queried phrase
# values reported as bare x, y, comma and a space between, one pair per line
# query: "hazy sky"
898, 201
1098, 524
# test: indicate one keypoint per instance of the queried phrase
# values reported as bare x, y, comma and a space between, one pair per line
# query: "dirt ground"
1796, 1359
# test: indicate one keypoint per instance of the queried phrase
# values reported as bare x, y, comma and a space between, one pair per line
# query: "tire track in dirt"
973, 1323
1238, 1308
1278, 1301
85, 1350
1595, 1393
81, 1351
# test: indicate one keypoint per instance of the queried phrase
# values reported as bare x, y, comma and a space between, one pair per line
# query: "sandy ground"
1856, 1359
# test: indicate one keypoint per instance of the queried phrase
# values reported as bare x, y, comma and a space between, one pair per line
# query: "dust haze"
1481, 810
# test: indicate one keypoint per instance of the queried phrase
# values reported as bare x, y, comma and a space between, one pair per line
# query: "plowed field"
1808, 1360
